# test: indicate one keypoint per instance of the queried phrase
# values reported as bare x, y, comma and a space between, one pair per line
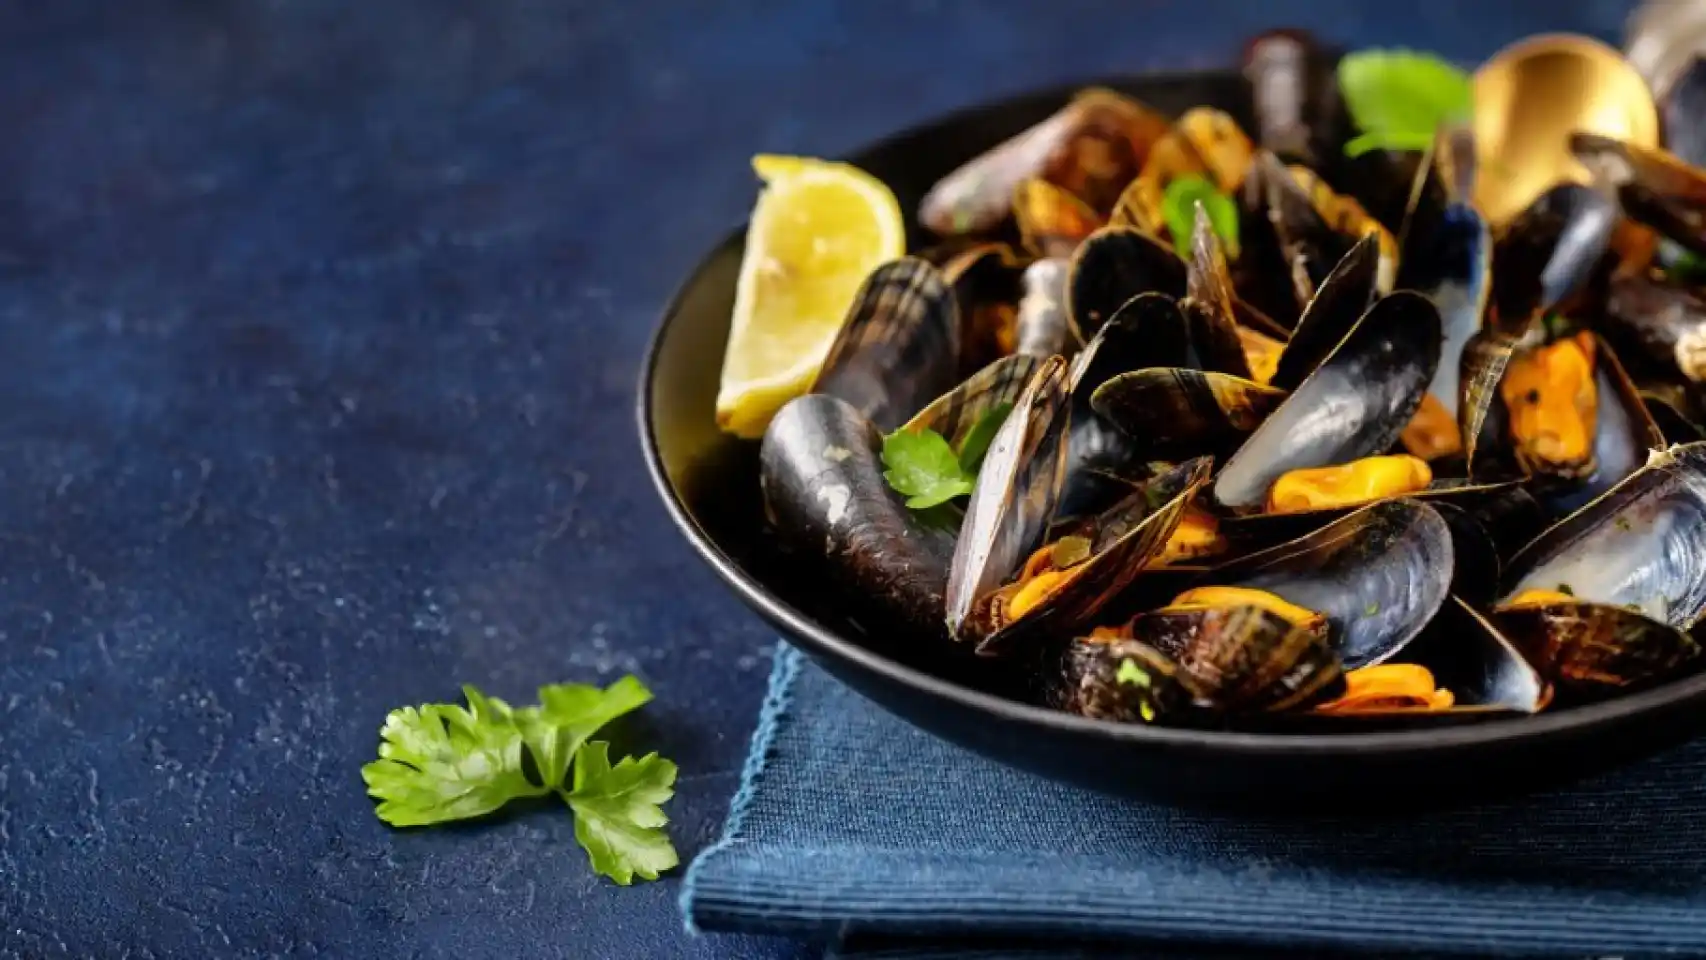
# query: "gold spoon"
1531, 96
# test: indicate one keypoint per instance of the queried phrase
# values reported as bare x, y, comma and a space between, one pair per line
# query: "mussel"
899, 347
1663, 320
1275, 631
986, 280
1008, 580
1607, 597
1655, 187
1092, 148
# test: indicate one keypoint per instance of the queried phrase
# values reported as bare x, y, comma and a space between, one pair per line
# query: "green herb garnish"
1134, 675
1400, 98
441, 762
1557, 326
1372, 609
1179, 209
1566, 590
923, 466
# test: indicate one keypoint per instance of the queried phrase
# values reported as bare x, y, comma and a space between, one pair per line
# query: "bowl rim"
801, 629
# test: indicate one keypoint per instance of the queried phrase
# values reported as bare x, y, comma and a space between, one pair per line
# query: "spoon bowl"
1531, 96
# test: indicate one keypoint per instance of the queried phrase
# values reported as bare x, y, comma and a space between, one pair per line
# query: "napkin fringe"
778, 697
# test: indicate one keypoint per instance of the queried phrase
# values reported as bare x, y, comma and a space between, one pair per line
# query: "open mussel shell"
1551, 250
821, 473
1480, 421
1309, 246
1112, 266
1330, 315
1101, 460
1114, 132
1120, 540
1259, 531
1378, 575
1488, 677
1209, 302
1353, 405
1655, 187
1044, 327
1641, 546
1663, 320
1169, 412
1013, 502
1623, 435
899, 347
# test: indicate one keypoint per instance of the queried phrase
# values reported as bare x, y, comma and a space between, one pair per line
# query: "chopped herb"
979, 437
1133, 674
1400, 98
1372, 609
1179, 210
441, 762
1623, 524
1566, 590
1146, 710
922, 466
1557, 327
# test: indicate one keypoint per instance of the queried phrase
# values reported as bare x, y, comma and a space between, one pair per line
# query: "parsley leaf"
1133, 674
1399, 98
617, 817
441, 762
981, 435
922, 466
1179, 210
568, 714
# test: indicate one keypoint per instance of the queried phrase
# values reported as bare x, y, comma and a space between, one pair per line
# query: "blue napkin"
855, 828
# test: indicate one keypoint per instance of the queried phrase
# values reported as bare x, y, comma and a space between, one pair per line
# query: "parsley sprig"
1399, 98
441, 762
1179, 210
924, 467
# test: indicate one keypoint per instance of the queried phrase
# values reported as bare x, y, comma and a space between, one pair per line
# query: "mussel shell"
1113, 265
1467, 655
1655, 187
1260, 531
1099, 456
1445, 178
1309, 245
977, 196
1453, 269
1051, 221
1044, 327
1169, 412
1481, 369
1589, 649
1353, 405
1088, 683
1378, 575
1123, 538
957, 412
824, 493
1641, 546
1550, 251
1244, 659
1012, 505
1665, 321
1675, 408
986, 280
1209, 303
1332, 313
899, 347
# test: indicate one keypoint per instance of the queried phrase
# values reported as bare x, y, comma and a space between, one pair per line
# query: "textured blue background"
319, 322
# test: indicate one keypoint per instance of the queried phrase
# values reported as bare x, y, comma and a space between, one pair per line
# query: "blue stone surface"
319, 329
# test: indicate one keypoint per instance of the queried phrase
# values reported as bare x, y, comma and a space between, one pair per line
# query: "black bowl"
709, 483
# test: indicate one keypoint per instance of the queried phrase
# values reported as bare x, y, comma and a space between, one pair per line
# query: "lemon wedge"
818, 229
